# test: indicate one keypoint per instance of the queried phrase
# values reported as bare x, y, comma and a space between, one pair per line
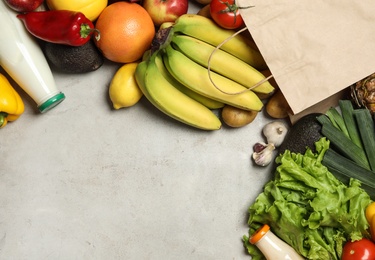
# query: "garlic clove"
258, 147
264, 156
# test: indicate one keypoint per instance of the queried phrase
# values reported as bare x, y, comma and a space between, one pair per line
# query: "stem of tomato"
232, 8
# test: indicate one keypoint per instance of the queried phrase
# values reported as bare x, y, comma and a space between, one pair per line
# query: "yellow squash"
90, 8
11, 104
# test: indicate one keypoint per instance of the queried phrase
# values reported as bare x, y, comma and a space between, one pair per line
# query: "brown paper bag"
314, 49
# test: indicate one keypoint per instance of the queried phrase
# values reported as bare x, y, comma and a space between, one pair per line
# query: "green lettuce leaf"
308, 207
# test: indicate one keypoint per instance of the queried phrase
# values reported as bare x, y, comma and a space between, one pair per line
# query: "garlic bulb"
263, 153
275, 132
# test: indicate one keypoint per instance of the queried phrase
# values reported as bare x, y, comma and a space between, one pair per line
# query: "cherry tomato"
226, 14
362, 249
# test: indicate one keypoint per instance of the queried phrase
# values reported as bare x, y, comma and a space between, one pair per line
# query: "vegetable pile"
308, 207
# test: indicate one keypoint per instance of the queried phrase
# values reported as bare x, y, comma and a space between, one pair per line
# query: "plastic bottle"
22, 58
272, 247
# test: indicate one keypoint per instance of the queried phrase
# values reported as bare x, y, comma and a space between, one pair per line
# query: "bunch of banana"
221, 62
207, 30
170, 100
187, 76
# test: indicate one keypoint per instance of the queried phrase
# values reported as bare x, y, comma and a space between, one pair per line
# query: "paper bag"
314, 49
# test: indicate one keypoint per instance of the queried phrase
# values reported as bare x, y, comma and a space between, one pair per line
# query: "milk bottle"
272, 247
22, 58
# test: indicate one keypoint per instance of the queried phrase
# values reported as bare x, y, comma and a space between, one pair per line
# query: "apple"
23, 5
165, 10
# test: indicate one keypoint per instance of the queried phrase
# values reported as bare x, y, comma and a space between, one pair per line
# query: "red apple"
23, 5
165, 10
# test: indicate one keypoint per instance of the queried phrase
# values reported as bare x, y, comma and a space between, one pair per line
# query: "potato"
277, 106
236, 117
205, 11
263, 96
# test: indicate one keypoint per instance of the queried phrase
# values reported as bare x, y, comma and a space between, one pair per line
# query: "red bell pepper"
59, 26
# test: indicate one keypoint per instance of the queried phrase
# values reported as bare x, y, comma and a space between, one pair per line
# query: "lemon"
123, 89
90, 8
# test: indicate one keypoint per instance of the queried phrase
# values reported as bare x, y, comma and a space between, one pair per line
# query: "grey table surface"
85, 181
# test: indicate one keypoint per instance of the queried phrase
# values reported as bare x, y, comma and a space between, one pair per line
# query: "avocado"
73, 59
304, 133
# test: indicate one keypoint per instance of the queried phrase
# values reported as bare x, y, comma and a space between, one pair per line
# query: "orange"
125, 30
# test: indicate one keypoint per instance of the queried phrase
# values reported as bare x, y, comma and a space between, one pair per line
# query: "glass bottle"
272, 247
23, 60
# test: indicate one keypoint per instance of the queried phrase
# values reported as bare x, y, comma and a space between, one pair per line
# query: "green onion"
324, 119
332, 119
344, 169
347, 109
345, 145
367, 132
337, 120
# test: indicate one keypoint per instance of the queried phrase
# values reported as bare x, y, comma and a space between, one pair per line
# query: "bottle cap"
51, 102
259, 234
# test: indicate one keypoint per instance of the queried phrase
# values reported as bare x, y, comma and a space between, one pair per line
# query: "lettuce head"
308, 207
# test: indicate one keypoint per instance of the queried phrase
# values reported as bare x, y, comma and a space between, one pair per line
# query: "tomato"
362, 249
90, 8
226, 14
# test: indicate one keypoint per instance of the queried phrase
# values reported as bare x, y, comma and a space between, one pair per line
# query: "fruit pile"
181, 60
189, 66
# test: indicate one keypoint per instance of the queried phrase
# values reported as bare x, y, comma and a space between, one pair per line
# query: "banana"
139, 75
208, 102
164, 96
195, 77
166, 25
207, 30
222, 62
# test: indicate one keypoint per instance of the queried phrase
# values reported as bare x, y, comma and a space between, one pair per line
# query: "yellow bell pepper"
11, 104
90, 8
370, 216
